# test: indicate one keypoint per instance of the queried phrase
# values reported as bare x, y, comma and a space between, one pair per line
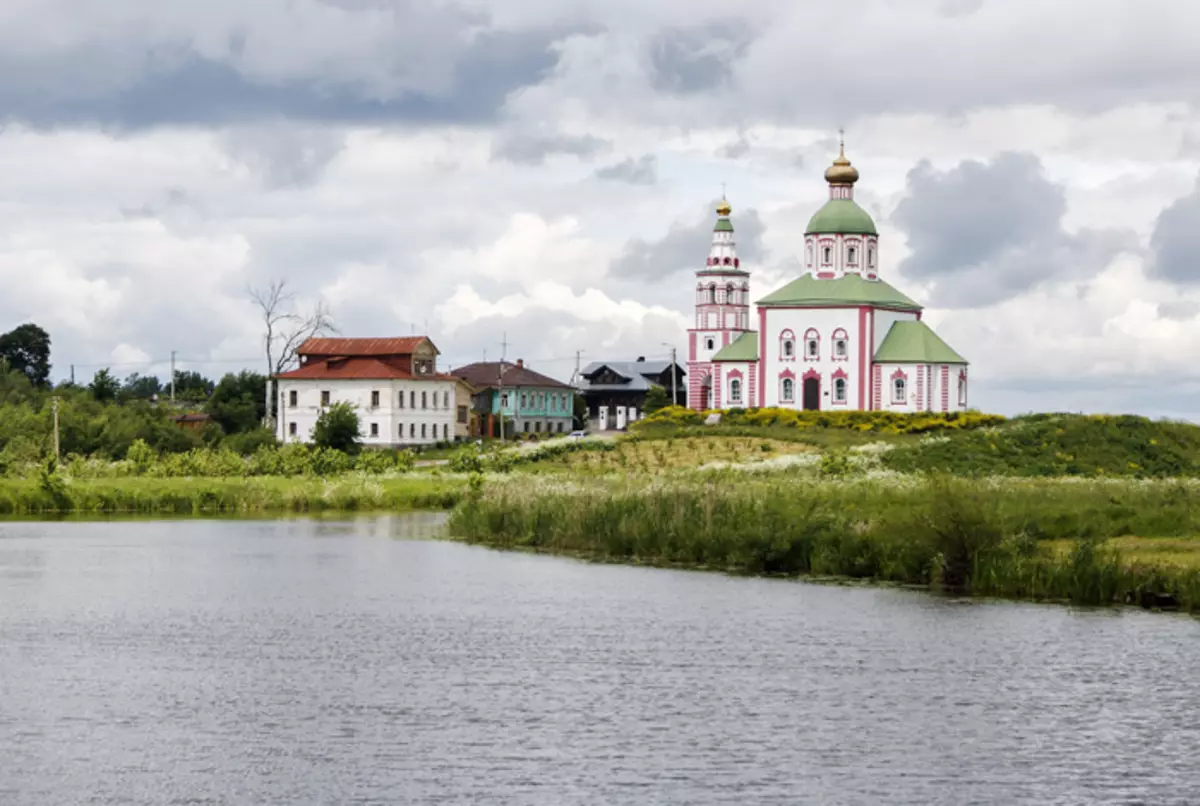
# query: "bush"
337, 428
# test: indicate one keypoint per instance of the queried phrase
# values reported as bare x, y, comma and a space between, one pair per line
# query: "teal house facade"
527, 401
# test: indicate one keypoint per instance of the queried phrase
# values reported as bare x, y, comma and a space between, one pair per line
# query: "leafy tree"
192, 386
657, 398
337, 428
140, 387
27, 350
580, 411
237, 404
104, 387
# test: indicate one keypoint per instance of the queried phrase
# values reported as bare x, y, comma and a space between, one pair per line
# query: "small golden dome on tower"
841, 172
723, 208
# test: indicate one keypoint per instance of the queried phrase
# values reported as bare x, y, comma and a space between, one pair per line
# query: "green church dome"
841, 216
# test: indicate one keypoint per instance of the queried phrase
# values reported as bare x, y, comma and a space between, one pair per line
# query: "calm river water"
319, 662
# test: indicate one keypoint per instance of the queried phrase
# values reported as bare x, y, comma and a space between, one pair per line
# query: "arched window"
735, 391
812, 345
787, 346
445, 400
899, 390
962, 389
870, 257
841, 345
709, 343
787, 390
808, 254
731, 294
852, 255
828, 256
712, 293
839, 390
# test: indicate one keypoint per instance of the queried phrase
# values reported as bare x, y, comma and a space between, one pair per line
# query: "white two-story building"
394, 385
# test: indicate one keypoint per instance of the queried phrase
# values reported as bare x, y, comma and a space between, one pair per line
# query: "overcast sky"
548, 168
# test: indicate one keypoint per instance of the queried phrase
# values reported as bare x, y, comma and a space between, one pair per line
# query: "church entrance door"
812, 394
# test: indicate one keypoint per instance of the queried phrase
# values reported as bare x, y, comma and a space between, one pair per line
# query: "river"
360, 661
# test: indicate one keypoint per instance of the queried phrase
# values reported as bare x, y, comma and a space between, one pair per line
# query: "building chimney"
520, 362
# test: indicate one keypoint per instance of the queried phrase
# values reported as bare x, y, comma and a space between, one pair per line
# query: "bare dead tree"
285, 329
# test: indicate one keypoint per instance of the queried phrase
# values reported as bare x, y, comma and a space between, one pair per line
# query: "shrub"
337, 428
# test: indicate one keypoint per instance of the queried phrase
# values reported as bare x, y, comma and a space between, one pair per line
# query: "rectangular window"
462, 414
401, 432
422, 430
412, 430
526, 428
524, 401
292, 429
375, 429
423, 401
504, 401
899, 392
374, 399
292, 398
412, 400
560, 428
538, 426
324, 397
445, 431
401, 399
445, 400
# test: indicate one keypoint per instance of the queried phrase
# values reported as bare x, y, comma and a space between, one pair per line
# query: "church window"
841, 345
852, 255
787, 391
812, 345
962, 390
712, 294
808, 255
899, 390
839, 390
814, 348
730, 294
735, 391
839, 348
709, 343
828, 256
870, 257
789, 348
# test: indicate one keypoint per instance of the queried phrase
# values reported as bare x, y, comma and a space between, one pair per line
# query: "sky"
539, 176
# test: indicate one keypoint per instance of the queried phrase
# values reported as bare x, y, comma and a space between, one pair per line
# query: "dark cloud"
984, 232
640, 171
1175, 243
693, 60
175, 85
685, 246
533, 149
284, 155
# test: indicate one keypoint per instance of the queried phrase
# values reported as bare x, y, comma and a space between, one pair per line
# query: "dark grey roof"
638, 373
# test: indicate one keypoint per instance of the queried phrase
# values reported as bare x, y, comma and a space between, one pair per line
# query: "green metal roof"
809, 292
723, 225
915, 343
841, 216
743, 348
726, 270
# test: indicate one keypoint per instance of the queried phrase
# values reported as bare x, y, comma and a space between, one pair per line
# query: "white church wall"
825, 367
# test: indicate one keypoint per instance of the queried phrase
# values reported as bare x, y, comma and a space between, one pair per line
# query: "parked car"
577, 435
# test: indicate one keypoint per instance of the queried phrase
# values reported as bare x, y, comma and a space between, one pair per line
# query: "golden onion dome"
841, 172
723, 208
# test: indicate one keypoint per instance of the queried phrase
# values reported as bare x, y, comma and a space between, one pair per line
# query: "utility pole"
72, 374
575, 377
500, 381
54, 404
674, 390
172, 376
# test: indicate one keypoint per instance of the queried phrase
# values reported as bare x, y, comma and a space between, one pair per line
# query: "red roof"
361, 369
362, 347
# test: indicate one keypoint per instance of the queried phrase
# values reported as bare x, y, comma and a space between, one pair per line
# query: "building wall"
739, 372
398, 423
536, 409
796, 323
464, 412
927, 387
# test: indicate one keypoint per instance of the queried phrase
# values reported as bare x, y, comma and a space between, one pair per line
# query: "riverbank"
1045, 540
55, 496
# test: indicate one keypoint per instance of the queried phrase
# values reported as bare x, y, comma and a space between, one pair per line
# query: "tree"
238, 403
140, 387
580, 411
337, 428
27, 350
656, 399
104, 387
192, 386
284, 328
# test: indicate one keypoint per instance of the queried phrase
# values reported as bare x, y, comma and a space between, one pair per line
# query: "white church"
836, 338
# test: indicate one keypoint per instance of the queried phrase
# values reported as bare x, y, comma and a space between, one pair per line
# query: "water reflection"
356, 660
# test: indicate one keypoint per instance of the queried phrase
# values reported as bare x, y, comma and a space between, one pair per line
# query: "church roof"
915, 343
743, 348
842, 216
810, 292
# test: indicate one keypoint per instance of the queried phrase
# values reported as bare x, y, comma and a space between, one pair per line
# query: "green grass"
990, 538
259, 495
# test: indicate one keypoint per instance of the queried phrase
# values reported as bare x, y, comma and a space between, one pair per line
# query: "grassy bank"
1044, 540
193, 496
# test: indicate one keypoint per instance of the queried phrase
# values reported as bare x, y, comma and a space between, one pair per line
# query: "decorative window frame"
710, 342
898, 375
786, 336
811, 335
962, 388
853, 248
785, 377
808, 253
735, 376
730, 294
827, 253
840, 375
839, 335
712, 293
